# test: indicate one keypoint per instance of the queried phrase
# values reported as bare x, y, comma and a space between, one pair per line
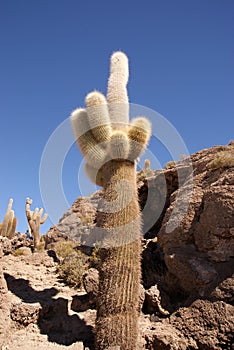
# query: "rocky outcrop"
199, 252
77, 222
185, 257
187, 295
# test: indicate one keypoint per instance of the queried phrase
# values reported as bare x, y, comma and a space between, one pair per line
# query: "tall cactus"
111, 146
35, 220
8, 226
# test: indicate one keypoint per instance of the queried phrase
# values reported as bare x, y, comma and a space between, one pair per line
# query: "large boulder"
199, 249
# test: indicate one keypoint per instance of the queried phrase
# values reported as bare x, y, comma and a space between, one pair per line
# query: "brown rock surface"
199, 252
37, 313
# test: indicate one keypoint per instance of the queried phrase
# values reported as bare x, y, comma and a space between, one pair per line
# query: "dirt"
40, 307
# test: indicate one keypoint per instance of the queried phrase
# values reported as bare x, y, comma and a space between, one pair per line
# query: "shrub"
72, 269
21, 251
94, 259
170, 164
223, 159
63, 249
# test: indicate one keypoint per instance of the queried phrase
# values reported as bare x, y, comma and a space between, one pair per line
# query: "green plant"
35, 220
8, 226
111, 146
72, 268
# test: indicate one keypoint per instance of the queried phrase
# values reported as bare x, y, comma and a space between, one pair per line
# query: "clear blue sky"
53, 52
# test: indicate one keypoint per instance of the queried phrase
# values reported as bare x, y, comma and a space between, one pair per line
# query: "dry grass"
63, 249
170, 164
21, 251
223, 159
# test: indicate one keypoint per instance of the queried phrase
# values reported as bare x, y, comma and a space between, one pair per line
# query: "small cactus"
8, 226
111, 145
147, 165
34, 221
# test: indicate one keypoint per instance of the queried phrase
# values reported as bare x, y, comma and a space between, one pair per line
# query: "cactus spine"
8, 226
35, 219
118, 217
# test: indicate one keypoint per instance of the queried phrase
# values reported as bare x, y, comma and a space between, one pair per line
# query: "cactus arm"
139, 133
98, 116
43, 220
35, 214
6, 219
85, 139
10, 221
29, 213
119, 145
12, 230
117, 95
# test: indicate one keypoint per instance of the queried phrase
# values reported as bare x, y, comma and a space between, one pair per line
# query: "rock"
20, 240
210, 325
62, 327
198, 248
6, 245
77, 221
142, 297
54, 236
165, 337
203, 325
91, 281
24, 313
153, 264
81, 303
153, 302
224, 291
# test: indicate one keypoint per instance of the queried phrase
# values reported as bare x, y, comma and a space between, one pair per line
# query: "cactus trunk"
120, 272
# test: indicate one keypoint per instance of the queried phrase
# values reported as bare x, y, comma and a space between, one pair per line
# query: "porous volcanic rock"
199, 249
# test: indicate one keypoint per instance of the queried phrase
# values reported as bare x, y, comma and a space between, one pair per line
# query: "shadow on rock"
53, 318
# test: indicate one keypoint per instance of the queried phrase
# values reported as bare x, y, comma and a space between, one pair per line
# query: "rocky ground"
187, 299
39, 305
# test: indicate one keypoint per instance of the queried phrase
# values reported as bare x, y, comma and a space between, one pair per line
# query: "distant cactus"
147, 164
111, 146
34, 221
147, 169
145, 172
8, 226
